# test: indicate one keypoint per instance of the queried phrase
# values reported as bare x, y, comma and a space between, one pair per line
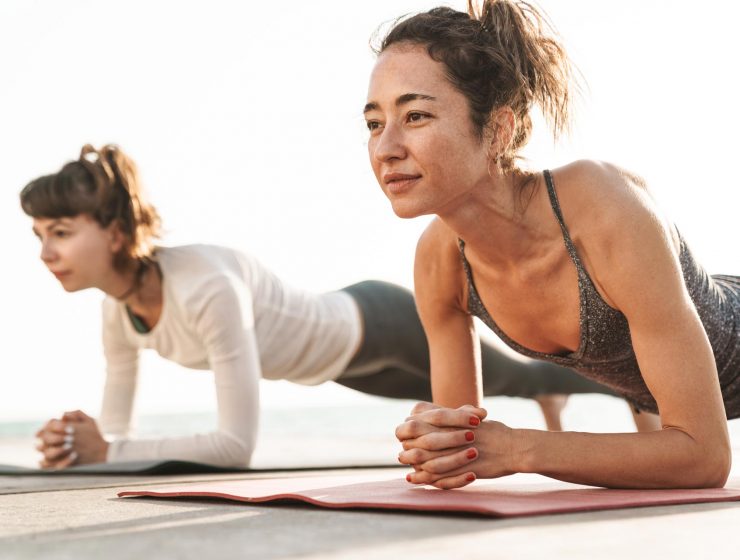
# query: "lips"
398, 183
60, 273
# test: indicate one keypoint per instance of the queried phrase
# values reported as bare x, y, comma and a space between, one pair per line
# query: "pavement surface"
80, 517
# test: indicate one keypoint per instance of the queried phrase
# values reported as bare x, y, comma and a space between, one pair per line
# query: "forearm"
215, 448
454, 392
668, 458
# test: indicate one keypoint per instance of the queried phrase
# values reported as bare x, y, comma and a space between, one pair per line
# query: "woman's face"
77, 250
423, 148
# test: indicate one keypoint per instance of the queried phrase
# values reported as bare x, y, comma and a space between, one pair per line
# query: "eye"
372, 125
60, 233
415, 117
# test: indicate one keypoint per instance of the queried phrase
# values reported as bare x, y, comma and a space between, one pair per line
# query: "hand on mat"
445, 456
88, 442
56, 439
440, 437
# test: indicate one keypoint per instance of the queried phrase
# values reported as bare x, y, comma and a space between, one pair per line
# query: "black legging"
393, 360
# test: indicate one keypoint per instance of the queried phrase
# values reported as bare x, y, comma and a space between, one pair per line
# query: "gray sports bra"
605, 352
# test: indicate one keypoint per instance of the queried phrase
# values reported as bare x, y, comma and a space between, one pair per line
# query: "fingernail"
69, 429
408, 478
470, 477
67, 445
470, 436
471, 454
474, 420
69, 438
73, 456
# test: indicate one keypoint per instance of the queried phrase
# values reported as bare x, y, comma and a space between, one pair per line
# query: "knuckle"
437, 416
415, 455
413, 428
421, 407
434, 467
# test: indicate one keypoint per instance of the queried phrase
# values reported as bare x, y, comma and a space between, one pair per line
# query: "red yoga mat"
497, 498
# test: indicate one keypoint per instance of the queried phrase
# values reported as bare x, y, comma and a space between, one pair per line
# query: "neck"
495, 218
139, 288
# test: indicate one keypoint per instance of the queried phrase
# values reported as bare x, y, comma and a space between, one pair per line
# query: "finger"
74, 416
444, 464
423, 407
55, 438
462, 417
475, 410
68, 461
424, 477
59, 426
455, 481
439, 440
412, 429
418, 456
57, 452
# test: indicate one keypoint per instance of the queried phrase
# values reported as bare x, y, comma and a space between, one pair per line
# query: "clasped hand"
73, 438
450, 448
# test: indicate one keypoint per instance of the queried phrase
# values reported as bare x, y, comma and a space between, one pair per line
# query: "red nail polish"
471, 454
408, 478
470, 436
470, 477
474, 420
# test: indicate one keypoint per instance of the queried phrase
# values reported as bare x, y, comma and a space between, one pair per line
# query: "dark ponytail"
503, 54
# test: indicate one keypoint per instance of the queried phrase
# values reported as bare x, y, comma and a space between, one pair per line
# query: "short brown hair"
105, 185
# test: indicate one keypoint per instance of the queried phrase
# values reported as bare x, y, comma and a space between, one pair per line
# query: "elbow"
714, 464
718, 469
235, 452
241, 455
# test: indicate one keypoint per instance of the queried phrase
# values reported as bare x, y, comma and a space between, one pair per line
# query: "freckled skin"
422, 136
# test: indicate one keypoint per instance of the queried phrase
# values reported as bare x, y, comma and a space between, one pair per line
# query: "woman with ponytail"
575, 266
209, 307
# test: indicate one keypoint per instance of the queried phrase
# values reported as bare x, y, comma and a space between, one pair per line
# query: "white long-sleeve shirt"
222, 310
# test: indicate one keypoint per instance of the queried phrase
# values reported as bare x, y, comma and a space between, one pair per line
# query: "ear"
117, 239
502, 125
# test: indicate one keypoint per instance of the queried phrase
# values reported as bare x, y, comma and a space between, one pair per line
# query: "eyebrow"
55, 222
401, 100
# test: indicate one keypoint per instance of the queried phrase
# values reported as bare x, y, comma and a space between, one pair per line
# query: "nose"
48, 255
389, 144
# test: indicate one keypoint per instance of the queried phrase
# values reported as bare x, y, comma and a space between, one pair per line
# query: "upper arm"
453, 343
224, 320
636, 261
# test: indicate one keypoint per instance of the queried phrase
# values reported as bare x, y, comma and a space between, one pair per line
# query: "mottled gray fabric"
605, 352
393, 359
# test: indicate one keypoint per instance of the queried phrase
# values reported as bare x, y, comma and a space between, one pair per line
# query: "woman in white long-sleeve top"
209, 307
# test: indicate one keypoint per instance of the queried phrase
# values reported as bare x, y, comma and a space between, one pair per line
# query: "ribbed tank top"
605, 352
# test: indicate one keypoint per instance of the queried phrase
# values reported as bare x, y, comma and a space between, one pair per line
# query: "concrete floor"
80, 517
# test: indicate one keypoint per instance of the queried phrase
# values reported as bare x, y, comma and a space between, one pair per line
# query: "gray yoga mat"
166, 467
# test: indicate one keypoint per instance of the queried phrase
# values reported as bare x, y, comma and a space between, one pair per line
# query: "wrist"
103, 455
523, 450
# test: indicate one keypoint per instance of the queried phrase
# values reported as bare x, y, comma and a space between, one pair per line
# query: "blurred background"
246, 122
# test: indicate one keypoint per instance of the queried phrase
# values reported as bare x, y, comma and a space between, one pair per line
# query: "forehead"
407, 68
80, 220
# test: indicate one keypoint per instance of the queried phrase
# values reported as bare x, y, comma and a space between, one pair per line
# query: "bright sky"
245, 120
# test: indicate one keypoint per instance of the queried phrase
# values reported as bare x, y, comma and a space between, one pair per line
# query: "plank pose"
576, 266
208, 307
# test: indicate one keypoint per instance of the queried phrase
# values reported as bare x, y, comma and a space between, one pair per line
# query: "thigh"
393, 336
392, 383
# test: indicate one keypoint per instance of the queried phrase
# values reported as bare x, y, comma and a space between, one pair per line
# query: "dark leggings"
393, 359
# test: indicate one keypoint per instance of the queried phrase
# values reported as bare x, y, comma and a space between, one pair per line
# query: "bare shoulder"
602, 201
589, 182
438, 271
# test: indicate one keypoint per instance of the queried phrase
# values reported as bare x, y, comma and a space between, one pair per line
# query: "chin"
69, 287
407, 211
